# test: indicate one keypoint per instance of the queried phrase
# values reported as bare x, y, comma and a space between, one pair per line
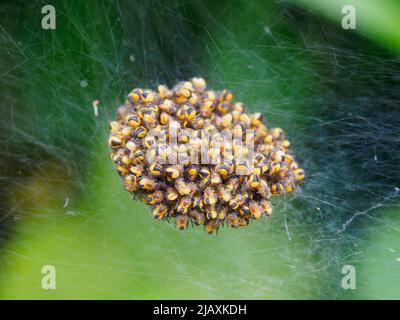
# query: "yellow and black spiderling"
226, 190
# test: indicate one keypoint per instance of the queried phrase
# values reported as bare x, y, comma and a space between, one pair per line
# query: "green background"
63, 203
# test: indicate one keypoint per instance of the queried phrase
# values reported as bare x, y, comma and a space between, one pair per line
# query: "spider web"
334, 93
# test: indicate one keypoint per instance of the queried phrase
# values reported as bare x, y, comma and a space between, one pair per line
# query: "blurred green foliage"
376, 19
377, 258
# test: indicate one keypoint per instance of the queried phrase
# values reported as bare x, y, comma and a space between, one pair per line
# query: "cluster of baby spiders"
227, 190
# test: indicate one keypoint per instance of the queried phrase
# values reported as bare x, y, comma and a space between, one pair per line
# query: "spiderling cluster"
196, 155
